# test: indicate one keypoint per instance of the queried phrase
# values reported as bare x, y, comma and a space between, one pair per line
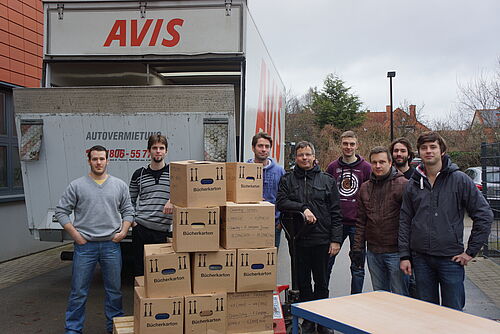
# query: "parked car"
492, 180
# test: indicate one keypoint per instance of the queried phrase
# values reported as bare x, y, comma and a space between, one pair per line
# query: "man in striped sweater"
150, 195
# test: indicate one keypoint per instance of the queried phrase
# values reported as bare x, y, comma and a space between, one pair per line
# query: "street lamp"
391, 75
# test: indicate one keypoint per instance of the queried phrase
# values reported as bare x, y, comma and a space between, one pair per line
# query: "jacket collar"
392, 174
299, 172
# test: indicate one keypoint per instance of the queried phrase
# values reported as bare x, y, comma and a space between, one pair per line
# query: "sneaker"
325, 330
308, 327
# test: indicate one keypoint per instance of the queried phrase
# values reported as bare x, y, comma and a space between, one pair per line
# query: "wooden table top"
385, 312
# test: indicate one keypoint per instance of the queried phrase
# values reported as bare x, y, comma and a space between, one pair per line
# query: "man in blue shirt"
261, 147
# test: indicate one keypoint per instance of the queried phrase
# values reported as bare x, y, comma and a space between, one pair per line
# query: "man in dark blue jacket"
315, 194
432, 223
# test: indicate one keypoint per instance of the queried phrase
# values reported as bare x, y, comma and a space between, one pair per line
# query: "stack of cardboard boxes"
218, 274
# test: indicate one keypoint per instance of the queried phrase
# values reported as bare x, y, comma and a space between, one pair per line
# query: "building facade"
21, 51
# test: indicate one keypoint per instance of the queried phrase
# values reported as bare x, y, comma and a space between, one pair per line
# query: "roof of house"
399, 116
487, 117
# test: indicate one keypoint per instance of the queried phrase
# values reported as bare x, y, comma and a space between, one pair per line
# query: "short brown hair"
380, 149
262, 135
348, 134
405, 142
157, 138
97, 148
431, 136
304, 144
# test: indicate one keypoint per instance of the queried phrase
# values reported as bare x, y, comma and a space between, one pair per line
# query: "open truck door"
58, 125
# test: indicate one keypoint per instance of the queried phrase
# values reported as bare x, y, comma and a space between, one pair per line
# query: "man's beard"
402, 163
157, 160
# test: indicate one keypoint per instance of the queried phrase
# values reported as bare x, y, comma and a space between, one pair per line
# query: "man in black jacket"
432, 223
314, 193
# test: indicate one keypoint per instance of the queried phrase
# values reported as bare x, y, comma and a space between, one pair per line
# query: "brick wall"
21, 42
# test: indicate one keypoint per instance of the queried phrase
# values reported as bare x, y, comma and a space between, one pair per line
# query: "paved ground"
21, 269
35, 301
485, 274
34, 291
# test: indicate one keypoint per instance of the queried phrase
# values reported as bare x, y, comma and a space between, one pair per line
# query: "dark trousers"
435, 274
312, 260
357, 274
143, 236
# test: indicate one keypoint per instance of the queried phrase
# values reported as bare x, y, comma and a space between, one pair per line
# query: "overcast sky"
431, 45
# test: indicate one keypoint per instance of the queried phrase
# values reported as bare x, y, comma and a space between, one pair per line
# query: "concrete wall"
15, 238
21, 42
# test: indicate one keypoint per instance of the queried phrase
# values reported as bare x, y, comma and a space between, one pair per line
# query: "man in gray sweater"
102, 216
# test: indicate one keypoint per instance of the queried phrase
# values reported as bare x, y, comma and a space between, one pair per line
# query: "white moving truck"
116, 71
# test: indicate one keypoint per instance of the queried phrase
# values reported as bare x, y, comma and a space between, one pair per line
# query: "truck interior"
198, 71
114, 73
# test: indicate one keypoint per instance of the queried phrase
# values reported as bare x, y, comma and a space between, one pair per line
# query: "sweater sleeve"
134, 187
405, 217
282, 201
126, 208
481, 214
359, 236
335, 214
66, 205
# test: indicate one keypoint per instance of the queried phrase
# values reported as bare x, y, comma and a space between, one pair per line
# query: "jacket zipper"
305, 188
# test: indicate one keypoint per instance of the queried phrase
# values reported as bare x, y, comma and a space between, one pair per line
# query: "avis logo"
120, 32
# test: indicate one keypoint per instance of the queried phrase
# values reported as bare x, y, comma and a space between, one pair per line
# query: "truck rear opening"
114, 71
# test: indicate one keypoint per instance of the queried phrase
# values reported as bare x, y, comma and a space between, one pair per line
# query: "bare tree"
419, 109
454, 120
292, 102
482, 92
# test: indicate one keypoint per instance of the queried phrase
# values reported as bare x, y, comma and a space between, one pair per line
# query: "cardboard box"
196, 229
123, 325
167, 273
197, 183
248, 225
205, 313
157, 315
214, 271
250, 312
244, 182
139, 281
256, 269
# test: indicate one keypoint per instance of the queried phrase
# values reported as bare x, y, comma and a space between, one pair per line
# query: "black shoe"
308, 327
325, 330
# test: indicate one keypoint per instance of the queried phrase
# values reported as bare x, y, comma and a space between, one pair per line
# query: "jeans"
312, 260
357, 274
412, 286
433, 273
385, 273
85, 258
277, 237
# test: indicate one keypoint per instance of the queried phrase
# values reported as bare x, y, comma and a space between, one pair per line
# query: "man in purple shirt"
350, 171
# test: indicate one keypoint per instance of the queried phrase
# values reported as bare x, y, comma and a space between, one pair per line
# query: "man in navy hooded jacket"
431, 224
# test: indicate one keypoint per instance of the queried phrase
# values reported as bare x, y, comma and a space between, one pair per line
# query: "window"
11, 183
